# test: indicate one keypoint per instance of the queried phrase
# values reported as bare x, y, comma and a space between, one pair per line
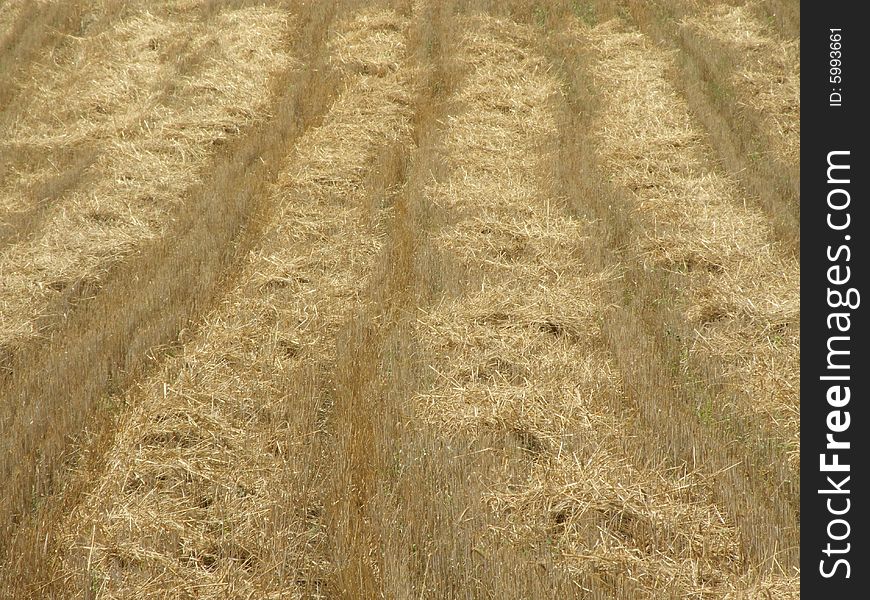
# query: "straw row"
520, 354
200, 494
766, 70
152, 98
739, 292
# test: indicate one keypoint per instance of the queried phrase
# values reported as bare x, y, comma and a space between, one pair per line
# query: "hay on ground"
766, 69
152, 122
208, 489
696, 226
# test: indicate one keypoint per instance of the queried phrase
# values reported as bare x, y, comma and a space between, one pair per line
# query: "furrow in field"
134, 113
60, 394
764, 71
665, 216
739, 292
206, 491
756, 147
518, 354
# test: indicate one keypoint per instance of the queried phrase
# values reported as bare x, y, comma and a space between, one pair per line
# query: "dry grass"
201, 473
373, 43
752, 144
766, 70
146, 301
519, 356
9, 12
35, 31
735, 280
152, 118
26, 30
676, 396
453, 303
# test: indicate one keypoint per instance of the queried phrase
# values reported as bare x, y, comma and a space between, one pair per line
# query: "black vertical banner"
834, 337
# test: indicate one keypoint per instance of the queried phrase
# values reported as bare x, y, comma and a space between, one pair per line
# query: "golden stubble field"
400, 299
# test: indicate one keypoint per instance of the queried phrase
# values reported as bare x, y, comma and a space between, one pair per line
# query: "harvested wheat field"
398, 299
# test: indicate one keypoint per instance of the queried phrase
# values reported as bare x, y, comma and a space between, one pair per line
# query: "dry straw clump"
740, 292
205, 491
518, 243
513, 357
330, 169
766, 69
372, 43
606, 517
659, 531
152, 109
753, 325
